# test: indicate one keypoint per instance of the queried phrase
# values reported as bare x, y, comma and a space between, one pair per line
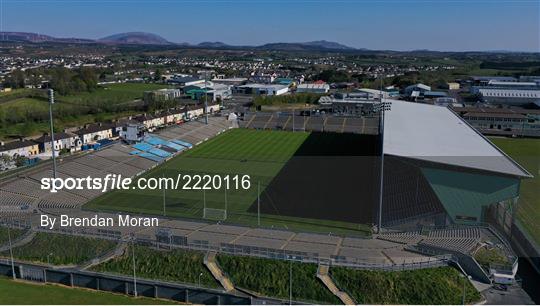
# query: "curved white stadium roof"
437, 134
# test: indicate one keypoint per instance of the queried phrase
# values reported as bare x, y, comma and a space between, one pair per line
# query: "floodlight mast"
205, 98
381, 176
51, 102
11, 253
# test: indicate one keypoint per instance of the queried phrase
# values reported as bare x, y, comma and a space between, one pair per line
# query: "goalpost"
214, 213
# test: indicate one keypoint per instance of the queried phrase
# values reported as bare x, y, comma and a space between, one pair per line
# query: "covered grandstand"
438, 170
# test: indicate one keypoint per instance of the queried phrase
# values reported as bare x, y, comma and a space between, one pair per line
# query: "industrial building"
502, 121
165, 94
261, 89
513, 97
313, 88
230, 81
507, 91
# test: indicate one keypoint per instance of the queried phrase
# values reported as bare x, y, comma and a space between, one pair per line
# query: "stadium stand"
140, 163
25, 190
25, 187
14, 199
155, 141
322, 123
143, 146
151, 156
182, 143
159, 152
402, 237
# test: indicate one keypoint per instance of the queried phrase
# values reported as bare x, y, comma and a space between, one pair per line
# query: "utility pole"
51, 102
164, 211
11, 254
134, 275
225, 203
204, 203
259, 203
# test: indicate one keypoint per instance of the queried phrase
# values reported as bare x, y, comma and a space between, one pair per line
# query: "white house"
62, 141
26, 148
94, 132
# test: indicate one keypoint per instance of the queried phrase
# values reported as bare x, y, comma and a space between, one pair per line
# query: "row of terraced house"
91, 136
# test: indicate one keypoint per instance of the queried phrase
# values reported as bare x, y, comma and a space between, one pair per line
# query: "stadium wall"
465, 196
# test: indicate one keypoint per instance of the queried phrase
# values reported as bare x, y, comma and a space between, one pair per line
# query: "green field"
426, 286
175, 266
58, 249
527, 153
25, 293
26, 112
259, 154
112, 93
270, 277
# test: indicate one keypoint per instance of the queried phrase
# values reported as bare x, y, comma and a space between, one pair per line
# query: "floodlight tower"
50, 92
13, 275
205, 98
381, 176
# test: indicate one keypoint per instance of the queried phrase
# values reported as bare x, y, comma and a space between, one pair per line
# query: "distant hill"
38, 38
328, 45
312, 45
143, 38
135, 38
213, 44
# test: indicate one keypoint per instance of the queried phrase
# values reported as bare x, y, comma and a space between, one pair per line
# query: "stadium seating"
143, 146
117, 158
151, 156
182, 143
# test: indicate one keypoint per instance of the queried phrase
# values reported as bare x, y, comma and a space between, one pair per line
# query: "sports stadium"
315, 189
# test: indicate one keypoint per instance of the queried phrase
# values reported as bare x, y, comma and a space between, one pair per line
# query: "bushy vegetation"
24, 293
14, 233
176, 266
271, 278
298, 98
490, 255
427, 286
61, 249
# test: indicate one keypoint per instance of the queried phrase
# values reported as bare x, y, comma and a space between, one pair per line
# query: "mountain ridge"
145, 38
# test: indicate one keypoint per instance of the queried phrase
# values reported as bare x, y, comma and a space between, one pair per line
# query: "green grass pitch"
26, 293
526, 152
259, 154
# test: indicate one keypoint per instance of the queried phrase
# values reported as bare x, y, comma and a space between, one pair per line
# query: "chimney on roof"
2, 143
100, 124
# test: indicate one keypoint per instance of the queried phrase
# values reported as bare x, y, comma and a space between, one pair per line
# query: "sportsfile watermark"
118, 182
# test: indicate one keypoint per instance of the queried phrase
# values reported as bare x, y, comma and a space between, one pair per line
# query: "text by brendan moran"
97, 221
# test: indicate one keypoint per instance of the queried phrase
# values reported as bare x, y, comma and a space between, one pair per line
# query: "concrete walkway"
322, 274
211, 264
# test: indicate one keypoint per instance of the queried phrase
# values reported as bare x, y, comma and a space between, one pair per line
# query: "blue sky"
454, 25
